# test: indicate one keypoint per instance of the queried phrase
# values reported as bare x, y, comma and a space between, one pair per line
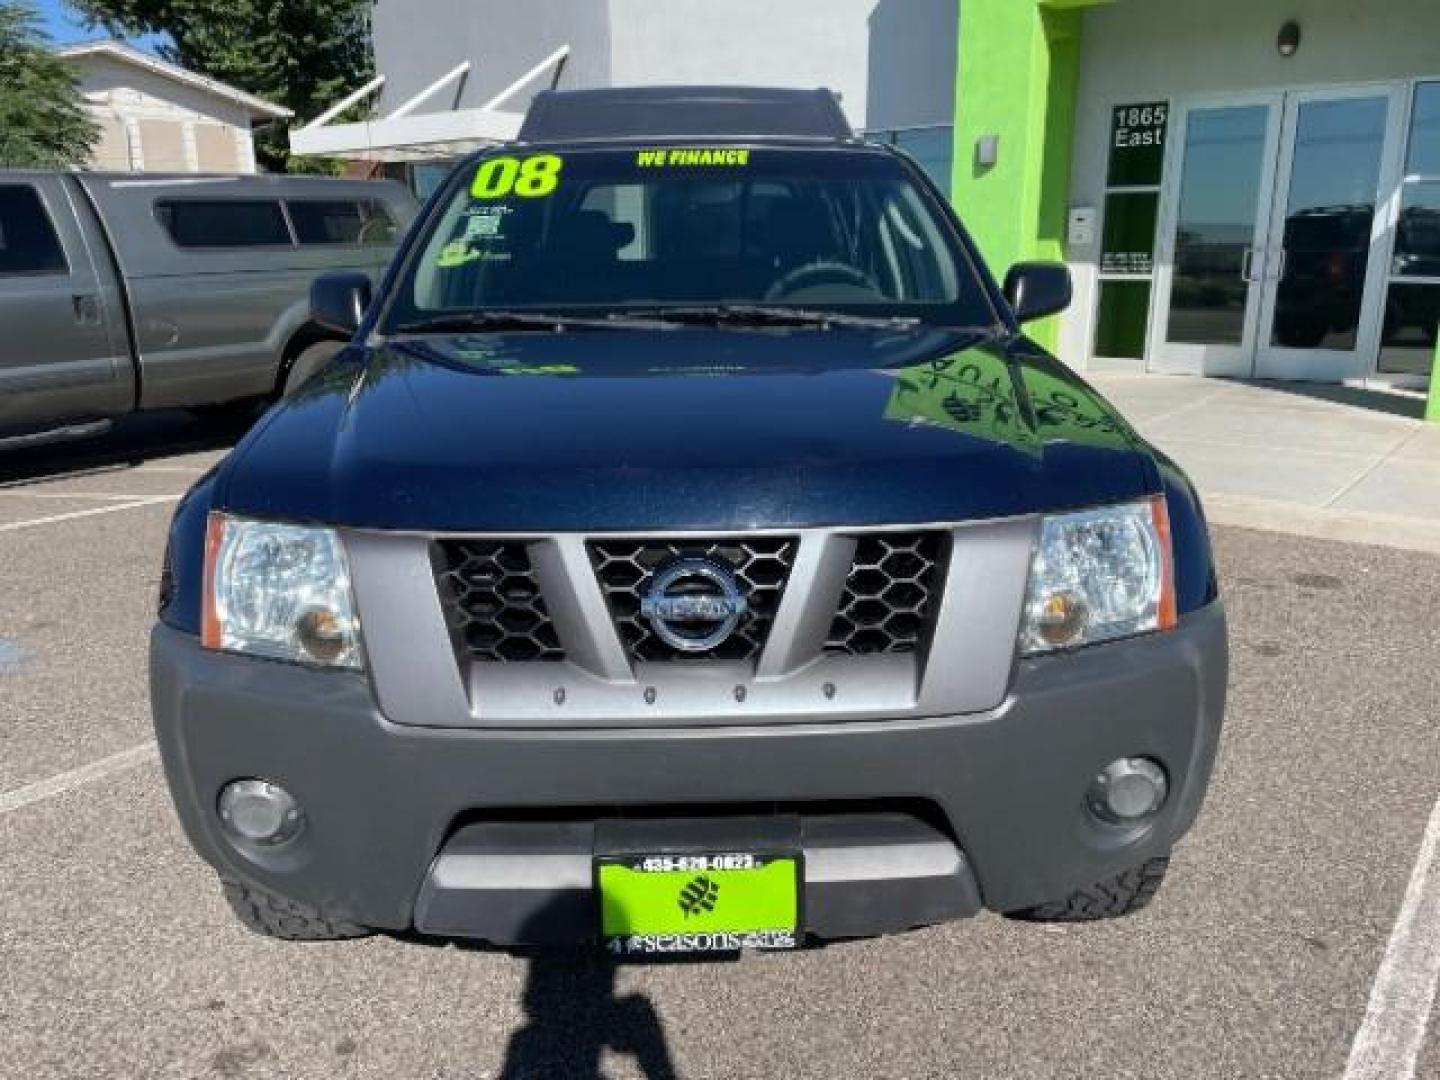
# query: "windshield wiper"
553, 322
762, 315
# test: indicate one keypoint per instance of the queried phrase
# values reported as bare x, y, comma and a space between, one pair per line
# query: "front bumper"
393, 811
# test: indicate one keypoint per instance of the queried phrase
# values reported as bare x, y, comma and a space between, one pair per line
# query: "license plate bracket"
698, 902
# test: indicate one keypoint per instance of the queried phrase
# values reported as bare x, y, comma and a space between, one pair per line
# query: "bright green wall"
1432, 407
1019, 61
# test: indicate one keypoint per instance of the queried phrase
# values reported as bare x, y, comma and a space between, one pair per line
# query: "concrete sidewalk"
1326, 461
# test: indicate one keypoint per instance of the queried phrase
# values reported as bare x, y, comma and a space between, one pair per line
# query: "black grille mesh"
891, 594
760, 564
492, 601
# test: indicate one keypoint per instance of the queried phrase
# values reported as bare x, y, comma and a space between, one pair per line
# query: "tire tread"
288, 920
1125, 893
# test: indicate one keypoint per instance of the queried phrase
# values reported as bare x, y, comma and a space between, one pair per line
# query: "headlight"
1099, 575
279, 591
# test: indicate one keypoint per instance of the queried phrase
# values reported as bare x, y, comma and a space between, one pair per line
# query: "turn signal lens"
1062, 618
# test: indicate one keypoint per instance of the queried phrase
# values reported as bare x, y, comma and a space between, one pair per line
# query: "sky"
65, 27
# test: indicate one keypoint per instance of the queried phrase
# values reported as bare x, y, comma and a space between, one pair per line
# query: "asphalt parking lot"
118, 957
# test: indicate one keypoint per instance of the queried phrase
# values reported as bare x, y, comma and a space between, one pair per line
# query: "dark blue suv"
689, 552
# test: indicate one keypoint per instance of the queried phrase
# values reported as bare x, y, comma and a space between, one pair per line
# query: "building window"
223, 223
1132, 211
1412, 298
28, 244
933, 148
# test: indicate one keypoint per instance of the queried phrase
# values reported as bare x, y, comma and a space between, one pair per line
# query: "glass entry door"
1274, 235
1210, 275
1325, 264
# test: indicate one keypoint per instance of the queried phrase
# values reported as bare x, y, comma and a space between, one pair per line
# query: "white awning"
407, 135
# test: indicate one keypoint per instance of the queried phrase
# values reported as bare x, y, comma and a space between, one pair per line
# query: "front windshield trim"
973, 277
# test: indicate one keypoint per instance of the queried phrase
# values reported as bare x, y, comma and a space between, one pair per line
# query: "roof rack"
666, 113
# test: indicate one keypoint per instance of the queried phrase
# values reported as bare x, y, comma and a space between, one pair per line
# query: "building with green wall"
1243, 188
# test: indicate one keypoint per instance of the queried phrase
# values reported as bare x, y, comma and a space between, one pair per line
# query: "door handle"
87, 309
1247, 264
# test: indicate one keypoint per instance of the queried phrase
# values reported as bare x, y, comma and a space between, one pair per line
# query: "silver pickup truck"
127, 292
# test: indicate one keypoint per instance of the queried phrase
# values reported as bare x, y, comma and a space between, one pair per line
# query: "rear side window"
28, 244
341, 221
224, 223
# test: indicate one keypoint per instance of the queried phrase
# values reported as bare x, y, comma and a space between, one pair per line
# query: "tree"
43, 122
304, 54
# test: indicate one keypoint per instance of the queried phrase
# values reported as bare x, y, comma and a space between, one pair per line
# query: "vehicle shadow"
133, 441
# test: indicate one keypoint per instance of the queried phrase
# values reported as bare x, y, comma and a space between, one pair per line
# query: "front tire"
1113, 898
276, 917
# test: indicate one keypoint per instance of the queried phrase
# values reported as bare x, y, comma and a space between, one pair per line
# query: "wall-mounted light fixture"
1289, 41
987, 151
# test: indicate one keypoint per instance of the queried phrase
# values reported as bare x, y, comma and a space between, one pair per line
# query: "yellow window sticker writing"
682, 157
530, 178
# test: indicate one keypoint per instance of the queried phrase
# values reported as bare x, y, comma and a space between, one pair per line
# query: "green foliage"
43, 122
304, 54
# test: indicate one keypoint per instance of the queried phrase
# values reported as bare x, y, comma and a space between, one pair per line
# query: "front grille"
761, 566
891, 594
492, 601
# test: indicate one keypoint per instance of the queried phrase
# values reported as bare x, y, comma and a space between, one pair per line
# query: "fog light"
259, 812
1128, 791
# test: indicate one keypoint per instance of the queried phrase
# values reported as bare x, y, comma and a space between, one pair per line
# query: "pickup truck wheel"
1122, 894
276, 917
310, 360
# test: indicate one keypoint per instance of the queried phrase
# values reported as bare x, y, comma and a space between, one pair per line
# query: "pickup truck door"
64, 353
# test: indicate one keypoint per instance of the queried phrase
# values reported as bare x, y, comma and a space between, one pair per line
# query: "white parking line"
16, 526
69, 781
97, 496
1392, 1035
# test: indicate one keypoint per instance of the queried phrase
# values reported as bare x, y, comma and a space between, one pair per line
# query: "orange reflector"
1169, 613
209, 617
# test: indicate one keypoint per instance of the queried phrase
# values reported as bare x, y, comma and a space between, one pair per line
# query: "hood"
685, 429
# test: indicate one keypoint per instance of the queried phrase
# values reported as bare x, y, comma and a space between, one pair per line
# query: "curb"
1345, 526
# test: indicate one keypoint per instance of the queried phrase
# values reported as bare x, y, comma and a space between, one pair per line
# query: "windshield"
671, 227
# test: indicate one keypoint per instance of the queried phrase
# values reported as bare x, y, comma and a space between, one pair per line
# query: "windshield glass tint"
825, 230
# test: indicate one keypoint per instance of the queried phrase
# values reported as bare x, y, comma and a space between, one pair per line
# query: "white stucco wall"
892, 61
1151, 50
417, 43
131, 95
803, 43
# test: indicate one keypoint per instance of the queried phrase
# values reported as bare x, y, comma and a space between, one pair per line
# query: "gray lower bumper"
515, 883
383, 801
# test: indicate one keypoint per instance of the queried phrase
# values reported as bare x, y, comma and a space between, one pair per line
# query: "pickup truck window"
227, 223
28, 244
341, 221
851, 232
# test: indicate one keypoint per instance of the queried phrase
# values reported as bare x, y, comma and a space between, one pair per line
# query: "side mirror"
338, 301
1037, 289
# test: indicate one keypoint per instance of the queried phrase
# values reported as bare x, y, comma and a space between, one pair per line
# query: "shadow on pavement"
1393, 402
134, 440
573, 1016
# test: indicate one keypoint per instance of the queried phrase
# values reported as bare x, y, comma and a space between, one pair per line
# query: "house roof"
125, 54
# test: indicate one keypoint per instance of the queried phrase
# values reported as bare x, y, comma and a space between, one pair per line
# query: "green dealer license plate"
698, 903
